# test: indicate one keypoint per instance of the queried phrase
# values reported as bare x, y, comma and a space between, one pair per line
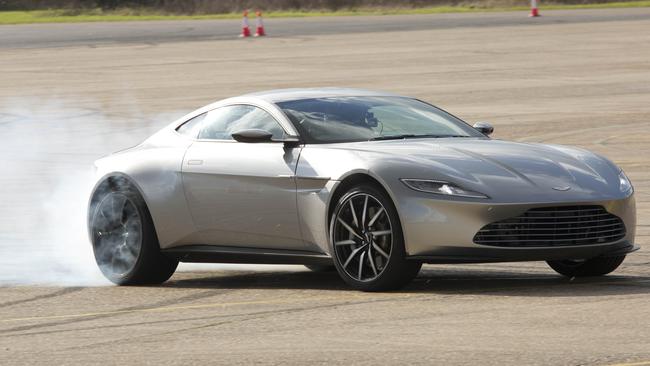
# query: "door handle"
312, 177
194, 162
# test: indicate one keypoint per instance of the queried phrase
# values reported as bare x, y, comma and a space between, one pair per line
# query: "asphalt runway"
570, 82
153, 32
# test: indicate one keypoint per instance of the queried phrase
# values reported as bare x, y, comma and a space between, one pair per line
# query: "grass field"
97, 15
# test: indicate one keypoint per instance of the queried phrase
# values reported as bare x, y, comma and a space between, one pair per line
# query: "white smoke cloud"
59, 252
46, 154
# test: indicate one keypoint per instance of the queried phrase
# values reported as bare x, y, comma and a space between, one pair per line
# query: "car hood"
506, 171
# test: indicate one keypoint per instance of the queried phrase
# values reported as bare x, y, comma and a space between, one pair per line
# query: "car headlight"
440, 187
624, 183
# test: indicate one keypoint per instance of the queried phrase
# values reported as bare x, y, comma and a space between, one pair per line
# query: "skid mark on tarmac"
54, 294
122, 325
153, 309
265, 314
269, 312
76, 318
254, 316
422, 291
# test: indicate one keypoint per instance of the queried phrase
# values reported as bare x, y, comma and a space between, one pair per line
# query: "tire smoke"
46, 156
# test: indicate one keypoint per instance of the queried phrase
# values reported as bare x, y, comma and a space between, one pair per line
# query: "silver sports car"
369, 183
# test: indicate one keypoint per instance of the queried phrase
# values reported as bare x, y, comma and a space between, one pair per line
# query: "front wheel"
367, 241
124, 240
587, 267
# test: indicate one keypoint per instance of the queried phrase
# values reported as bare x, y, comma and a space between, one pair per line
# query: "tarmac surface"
551, 80
75, 34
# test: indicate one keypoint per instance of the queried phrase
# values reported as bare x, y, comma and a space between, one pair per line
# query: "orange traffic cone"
534, 12
245, 29
259, 32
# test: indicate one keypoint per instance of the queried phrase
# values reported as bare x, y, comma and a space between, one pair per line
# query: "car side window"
221, 123
191, 127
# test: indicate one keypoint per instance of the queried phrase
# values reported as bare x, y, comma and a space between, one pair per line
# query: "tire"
124, 240
589, 267
367, 243
320, 267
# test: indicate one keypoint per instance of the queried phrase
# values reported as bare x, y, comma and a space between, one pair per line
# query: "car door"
242, 194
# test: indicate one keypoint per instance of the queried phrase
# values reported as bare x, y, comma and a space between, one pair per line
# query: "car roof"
284, 95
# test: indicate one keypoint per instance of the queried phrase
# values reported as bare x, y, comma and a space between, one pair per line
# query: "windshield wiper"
412, 136
445, 136
391, 137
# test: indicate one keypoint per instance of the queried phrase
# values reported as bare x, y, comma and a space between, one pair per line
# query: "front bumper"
442, 231
442, 255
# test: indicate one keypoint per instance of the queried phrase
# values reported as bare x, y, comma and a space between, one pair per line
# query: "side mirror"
484, 128
252, 135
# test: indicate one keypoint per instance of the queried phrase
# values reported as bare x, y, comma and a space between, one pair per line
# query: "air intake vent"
554, 226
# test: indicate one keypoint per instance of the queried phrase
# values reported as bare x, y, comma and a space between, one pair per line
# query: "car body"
213, 198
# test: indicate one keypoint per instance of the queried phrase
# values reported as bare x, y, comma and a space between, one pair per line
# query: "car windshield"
348, 119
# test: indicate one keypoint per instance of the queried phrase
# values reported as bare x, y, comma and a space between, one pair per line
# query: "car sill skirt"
223, 254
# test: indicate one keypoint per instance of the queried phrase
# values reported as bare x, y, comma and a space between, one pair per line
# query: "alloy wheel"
362, 236
117, 234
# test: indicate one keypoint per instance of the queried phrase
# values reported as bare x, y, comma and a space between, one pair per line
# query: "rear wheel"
124, 240
587, 267
367, 241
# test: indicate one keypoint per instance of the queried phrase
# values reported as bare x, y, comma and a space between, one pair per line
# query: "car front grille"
554, 226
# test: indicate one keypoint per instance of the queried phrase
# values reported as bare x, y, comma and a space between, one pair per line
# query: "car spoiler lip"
622, 251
